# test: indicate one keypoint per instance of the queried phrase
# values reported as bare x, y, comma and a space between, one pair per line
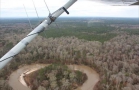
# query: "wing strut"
65, 10
24, 42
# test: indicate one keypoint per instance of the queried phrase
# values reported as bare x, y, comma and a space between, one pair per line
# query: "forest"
56, 77
108, 45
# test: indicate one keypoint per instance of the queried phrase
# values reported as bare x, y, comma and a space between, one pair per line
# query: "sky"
82, 8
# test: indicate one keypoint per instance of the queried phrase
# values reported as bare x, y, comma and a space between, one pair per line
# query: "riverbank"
16, 80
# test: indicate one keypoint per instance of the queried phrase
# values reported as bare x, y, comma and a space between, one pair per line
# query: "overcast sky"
82, 8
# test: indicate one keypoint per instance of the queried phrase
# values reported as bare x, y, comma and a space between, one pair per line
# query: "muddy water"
17, 82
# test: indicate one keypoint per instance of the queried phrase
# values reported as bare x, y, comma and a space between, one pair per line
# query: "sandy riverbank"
17, 81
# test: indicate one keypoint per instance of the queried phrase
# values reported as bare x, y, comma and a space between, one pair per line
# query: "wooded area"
116, 59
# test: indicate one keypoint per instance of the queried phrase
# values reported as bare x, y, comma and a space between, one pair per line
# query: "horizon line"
70, 17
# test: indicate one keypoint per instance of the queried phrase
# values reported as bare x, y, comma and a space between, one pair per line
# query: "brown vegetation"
4, 85
55, 76
117, 60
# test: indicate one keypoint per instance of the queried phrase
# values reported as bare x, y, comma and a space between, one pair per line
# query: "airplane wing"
118, 2
137, 3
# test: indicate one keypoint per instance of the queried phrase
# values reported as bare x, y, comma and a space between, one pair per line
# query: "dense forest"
55, 77
108, 45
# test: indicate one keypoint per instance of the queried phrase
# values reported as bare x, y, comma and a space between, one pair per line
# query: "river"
17, 82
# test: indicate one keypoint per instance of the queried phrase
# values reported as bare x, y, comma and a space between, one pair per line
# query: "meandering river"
16, 80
